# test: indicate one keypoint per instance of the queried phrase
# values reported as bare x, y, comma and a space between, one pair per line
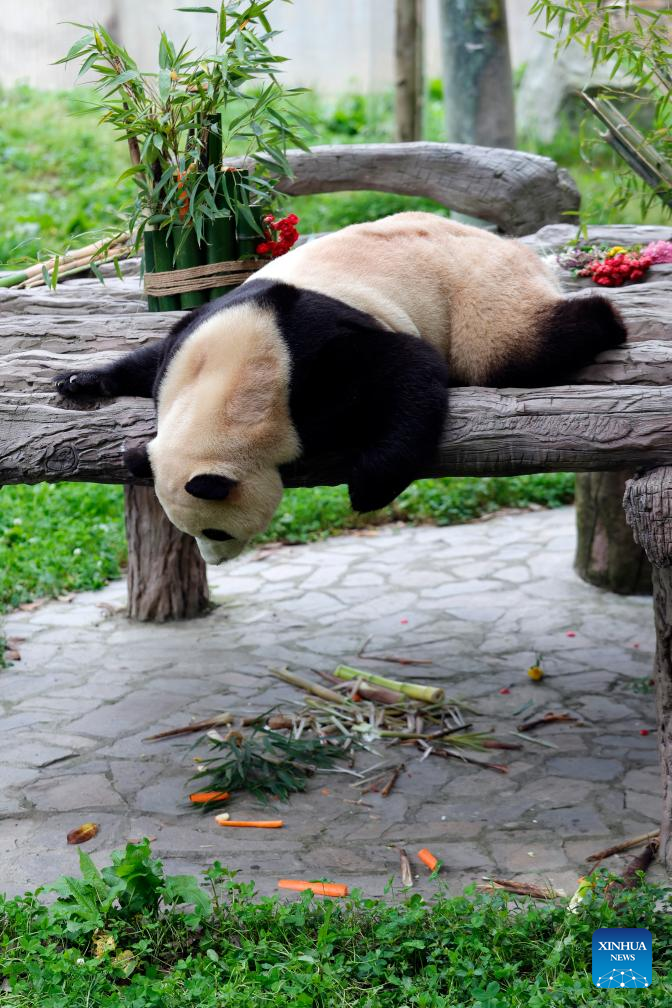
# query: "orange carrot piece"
201, 797
428, 859
334, 889
223, 820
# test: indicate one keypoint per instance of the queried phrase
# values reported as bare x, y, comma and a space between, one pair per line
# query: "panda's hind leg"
568, 336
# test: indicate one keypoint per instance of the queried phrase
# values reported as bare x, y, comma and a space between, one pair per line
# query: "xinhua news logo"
622, 957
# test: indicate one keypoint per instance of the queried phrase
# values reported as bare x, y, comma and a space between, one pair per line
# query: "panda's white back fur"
472, 295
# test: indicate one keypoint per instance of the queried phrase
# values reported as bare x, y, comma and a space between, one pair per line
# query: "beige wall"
333, 45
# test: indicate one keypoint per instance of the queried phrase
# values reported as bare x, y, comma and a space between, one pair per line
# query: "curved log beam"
517, 192
488, 432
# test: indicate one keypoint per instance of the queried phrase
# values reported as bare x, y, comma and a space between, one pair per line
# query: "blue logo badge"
622, 957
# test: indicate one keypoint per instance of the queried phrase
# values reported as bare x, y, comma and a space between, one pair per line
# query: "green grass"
235, 948
70, 537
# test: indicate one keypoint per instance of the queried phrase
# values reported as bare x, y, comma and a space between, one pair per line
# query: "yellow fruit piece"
535, 673
616, 250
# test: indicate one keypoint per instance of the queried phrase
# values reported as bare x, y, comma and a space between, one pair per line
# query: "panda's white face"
222, 513
224, 428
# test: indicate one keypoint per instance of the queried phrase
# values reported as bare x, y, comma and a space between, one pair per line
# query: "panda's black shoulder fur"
343, 363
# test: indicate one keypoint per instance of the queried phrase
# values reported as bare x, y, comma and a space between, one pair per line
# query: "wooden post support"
477, 79
408, 85
648, 510
607, 555
166, 573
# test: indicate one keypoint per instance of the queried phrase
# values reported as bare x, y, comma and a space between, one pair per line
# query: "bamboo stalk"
188, 253
159, 253
220, 234
13, 279
426, 694
71, 268
309, 687
623, 846
33, 276
213, 722
368, 692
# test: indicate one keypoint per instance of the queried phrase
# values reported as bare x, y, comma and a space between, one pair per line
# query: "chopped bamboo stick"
321, 691
213, 722
623, 846
426, 694
368, 691
405, 865
449, 753
630, 877
393, 780
549, 718
537, 741
519, 888
224, 820
394, 659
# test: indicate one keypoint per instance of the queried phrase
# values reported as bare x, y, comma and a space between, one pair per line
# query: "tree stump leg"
166, 573
607, 555
648, 510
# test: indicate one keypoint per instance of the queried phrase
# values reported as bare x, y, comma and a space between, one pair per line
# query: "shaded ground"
480, 600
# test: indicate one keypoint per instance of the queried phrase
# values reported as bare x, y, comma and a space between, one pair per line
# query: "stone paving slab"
479, 600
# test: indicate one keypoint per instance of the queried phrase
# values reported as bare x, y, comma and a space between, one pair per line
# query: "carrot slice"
201, 797
223, 820
334, 889
428, 859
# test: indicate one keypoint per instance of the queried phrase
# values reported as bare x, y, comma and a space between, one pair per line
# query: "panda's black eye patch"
216, 534
210, 486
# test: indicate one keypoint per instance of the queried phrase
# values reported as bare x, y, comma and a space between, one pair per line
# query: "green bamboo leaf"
197, 10
88, 63
75, 50
164, 83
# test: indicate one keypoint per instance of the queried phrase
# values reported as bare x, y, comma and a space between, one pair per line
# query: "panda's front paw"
84, 384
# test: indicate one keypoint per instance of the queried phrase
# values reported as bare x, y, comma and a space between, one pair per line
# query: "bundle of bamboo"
58, 267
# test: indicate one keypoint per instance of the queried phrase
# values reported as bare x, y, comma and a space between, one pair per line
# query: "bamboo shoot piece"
321, 691
425, 694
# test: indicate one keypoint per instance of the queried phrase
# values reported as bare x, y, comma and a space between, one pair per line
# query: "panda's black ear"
137, 461
210, 486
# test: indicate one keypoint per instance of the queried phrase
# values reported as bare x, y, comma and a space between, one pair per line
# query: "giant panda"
342, 348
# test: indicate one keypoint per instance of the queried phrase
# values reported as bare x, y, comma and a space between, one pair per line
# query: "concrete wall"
333, 45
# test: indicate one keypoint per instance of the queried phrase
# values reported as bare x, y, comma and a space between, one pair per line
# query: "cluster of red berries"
616, 269
280, 235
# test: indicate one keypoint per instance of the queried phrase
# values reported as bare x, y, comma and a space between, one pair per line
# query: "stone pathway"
479, 600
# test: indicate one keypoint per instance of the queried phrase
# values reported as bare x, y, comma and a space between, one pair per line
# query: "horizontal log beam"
517, 192
488, 432
646, 308
34, 369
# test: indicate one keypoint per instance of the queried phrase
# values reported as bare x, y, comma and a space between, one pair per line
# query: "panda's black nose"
217, 534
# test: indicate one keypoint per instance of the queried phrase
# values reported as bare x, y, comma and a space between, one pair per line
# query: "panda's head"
223, 430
